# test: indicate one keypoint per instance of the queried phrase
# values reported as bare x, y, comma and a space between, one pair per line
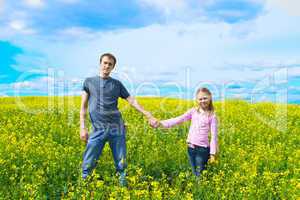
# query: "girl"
204, 120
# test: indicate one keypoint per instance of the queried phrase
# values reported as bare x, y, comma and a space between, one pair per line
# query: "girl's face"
203, 100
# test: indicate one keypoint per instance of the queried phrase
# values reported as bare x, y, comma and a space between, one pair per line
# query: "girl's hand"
212, 159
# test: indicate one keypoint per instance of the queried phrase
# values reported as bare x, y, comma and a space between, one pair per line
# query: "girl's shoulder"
192, 110
213, 116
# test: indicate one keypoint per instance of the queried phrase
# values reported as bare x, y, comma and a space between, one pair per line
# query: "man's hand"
84, 134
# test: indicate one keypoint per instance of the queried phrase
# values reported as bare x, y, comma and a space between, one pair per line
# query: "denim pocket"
202, 149
191, 150
97, 133
117, 130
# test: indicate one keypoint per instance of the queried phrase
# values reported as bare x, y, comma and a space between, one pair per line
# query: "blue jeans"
115, 135
198, 158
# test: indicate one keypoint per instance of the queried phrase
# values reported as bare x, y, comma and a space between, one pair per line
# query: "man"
100, 94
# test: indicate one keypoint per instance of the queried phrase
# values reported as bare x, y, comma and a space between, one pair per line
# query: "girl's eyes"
203, 99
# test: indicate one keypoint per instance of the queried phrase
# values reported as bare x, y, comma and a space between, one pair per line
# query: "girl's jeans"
115, 136
198, 158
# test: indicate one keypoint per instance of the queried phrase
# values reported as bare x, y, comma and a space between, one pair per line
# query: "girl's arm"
177, 120
214, 135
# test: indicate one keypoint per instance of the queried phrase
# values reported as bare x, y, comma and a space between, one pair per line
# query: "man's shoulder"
115, 80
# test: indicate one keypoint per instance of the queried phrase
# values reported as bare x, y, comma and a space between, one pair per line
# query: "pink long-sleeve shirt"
201, 125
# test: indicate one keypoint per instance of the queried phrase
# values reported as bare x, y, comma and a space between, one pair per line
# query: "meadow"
41, 153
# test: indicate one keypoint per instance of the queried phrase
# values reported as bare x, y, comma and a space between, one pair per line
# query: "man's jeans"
198, 158
115, 135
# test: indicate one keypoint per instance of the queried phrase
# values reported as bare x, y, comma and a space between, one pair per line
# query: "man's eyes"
108, 63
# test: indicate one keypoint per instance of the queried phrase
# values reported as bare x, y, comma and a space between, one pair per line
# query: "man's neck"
104, 76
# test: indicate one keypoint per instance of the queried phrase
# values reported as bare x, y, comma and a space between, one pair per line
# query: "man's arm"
83, 111
152, 120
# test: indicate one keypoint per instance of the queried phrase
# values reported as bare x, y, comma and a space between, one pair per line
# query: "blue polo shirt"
103, 100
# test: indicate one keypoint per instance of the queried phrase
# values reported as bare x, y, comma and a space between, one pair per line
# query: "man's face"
107, 65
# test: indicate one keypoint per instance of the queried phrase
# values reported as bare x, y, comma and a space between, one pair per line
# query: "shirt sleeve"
177, 120
214, 134
85, 86
124, 94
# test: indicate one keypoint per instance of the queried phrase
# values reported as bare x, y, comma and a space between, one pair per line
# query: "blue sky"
8, 52
164, 47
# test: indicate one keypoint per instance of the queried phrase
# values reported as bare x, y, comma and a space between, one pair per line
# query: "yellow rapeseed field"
41, 153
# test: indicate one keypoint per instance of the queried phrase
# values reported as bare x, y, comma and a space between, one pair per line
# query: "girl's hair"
210, 106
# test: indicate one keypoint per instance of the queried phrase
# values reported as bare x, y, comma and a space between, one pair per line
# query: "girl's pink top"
201, 125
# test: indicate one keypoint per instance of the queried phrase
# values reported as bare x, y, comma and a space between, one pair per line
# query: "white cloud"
230, 13
165, 5
295, 88
161, 47
185, 10
193, 52
295, 71
34, 3
291, 7
3, 94
19, 26
176, 10
187, 54
180, 48
24, 84
46, 85
1, 5
75, 32
257, 1
69, 1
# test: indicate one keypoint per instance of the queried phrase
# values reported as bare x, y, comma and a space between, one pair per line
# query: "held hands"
154, 123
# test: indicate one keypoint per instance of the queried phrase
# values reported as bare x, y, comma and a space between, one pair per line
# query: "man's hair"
110, 56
